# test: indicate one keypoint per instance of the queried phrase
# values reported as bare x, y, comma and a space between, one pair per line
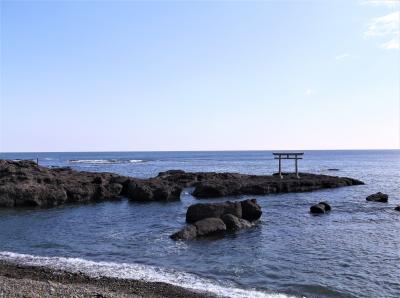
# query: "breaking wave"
105, 161
137, 272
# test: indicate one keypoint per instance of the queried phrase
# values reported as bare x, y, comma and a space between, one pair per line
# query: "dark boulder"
250, 210
205, 227
214, 218
321, 207
234, 223
200, 211
187, 233
327, 206
397, 208
209, 226
378, 197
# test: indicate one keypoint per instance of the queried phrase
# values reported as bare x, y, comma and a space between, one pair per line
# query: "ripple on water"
352, 251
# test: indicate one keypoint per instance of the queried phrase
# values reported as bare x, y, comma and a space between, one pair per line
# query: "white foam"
138, 272
135, 160
105, 161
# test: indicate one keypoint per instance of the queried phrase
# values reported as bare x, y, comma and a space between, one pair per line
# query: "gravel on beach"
31, 281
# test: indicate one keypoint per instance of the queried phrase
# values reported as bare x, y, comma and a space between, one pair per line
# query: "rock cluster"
378, 197
212, 218
321, 207
23, 183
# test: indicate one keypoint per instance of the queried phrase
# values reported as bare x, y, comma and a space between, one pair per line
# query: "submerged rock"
397, 208
378, 197
321, 207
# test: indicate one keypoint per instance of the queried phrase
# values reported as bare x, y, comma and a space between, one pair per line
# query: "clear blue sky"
110, 76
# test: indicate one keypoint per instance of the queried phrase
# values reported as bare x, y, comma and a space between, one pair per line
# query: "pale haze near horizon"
137, 76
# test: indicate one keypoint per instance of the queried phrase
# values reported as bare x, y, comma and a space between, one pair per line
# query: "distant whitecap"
105, 161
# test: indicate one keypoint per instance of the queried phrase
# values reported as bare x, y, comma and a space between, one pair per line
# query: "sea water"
354, 251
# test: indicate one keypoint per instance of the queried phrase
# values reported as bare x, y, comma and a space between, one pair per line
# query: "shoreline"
18, 280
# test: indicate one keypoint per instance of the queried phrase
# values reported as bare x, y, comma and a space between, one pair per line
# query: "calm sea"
352, 252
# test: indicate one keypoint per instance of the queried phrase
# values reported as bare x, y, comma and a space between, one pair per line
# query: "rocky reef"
212, 185
23, 183
217, 218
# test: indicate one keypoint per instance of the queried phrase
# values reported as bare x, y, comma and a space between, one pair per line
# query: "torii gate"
288, 155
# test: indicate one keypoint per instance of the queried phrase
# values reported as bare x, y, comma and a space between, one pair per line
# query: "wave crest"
137, 272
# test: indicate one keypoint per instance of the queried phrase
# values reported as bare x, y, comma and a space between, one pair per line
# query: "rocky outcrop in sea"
24, 183
378, 197
217, 218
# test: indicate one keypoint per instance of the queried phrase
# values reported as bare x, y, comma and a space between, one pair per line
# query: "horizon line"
226, 150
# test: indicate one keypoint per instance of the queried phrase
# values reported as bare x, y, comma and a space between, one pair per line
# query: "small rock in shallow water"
397, 208
321, 207
327, 206
212, 218
187, 233
378, 197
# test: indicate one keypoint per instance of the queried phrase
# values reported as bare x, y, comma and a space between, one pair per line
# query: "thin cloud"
342, 56
387, 3
392, 44
385, 26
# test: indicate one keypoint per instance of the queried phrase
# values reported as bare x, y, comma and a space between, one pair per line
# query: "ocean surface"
354, 251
